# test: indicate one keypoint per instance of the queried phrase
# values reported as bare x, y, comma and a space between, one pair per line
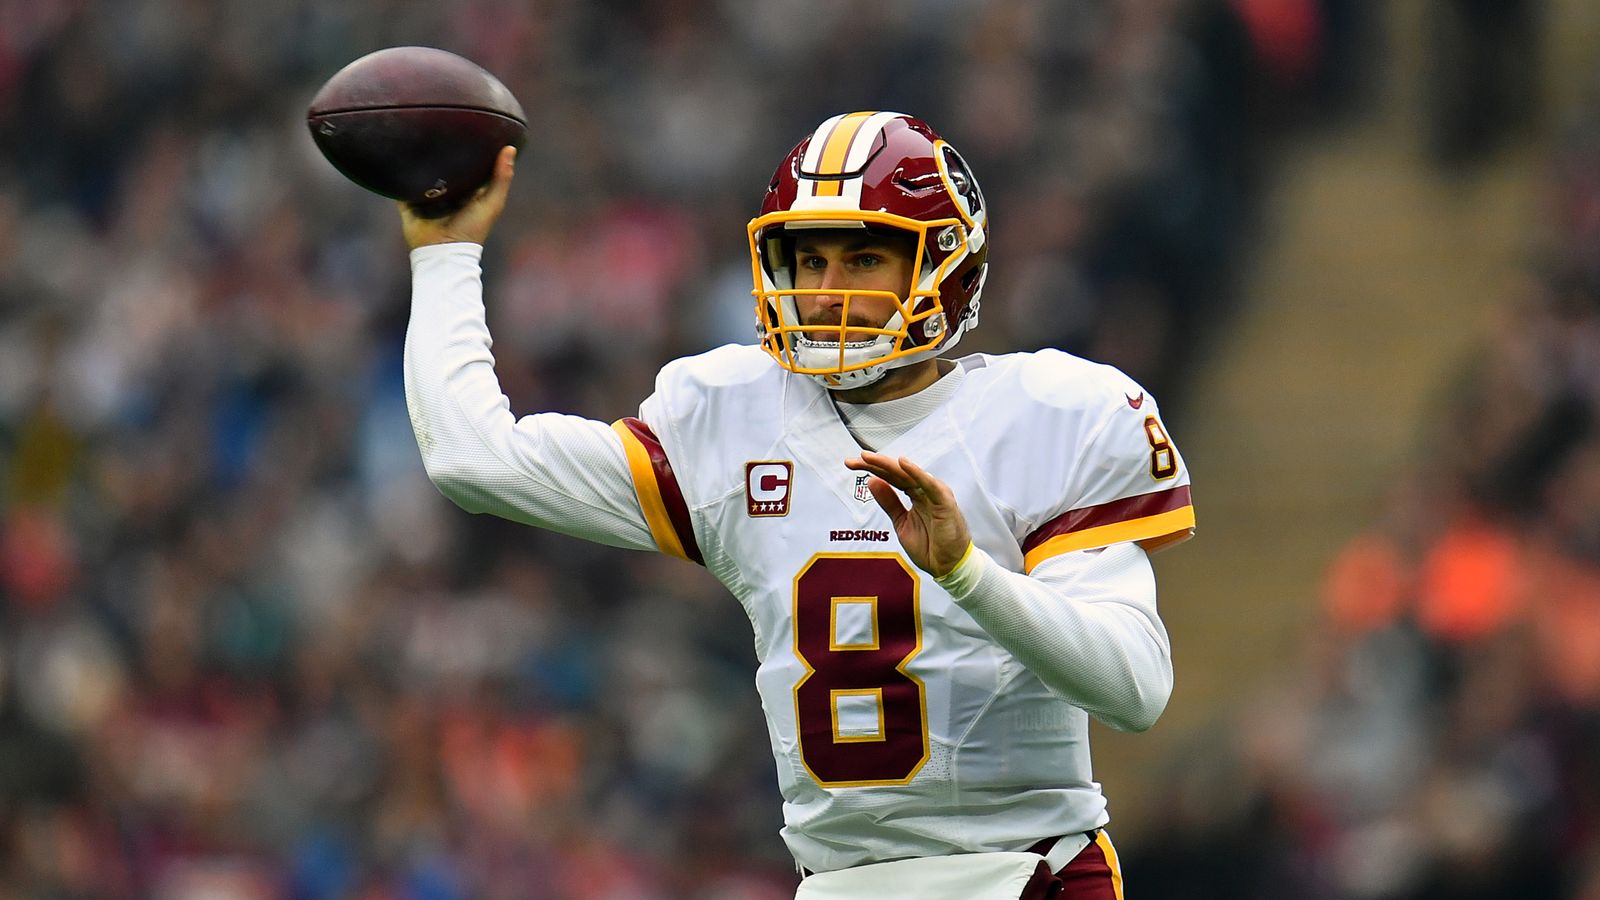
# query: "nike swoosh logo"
1135, 402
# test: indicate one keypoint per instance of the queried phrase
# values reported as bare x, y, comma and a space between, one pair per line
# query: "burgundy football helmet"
872, 170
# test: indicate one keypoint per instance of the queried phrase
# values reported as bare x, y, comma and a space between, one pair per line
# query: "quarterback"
944, 560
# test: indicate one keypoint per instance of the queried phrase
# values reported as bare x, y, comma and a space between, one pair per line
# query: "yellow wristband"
959, 581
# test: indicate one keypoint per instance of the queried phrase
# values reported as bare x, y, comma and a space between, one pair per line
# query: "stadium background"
247, 651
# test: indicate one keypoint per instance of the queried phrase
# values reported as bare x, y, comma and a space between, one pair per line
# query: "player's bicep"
660, 499
1130, 485
607, 483
562, 473
1119, 574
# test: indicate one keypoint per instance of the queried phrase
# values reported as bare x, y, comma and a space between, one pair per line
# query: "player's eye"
868, 260
813, 262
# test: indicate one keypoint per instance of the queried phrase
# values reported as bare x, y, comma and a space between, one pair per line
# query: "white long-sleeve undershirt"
1084, 622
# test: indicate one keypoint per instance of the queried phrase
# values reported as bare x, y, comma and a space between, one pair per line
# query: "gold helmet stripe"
836, 150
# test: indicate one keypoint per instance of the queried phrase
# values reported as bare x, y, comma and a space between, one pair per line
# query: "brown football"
416, 124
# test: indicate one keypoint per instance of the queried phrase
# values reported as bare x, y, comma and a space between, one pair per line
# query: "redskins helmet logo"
963, 184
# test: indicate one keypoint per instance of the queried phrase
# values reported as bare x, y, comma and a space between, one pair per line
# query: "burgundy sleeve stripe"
658, 489
1140, 507
1153, 520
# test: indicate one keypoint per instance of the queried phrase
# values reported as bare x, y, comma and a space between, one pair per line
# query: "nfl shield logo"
862, 493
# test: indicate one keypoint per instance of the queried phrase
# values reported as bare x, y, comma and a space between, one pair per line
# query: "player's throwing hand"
933, 531
473, 222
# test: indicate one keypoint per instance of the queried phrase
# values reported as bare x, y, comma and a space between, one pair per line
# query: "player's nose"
832, 280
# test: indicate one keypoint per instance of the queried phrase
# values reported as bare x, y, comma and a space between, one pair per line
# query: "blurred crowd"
1443, 742
247, 651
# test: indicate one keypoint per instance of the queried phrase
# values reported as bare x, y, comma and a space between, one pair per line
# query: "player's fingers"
505, 165
913, 492
861, 464
920, 487
887, 468
924, 485
882, 484
500, 184
887, 499
505, 168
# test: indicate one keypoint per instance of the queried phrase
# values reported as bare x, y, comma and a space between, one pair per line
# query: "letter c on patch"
769, 482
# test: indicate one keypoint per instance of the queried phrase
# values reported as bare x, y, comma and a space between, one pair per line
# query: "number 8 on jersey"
857, 624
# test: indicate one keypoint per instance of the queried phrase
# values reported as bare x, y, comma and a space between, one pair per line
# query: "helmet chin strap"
824, 354
812, 354
870, 374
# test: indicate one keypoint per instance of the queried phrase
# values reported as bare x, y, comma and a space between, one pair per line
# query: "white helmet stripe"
819, 140
807, 187
860, 147
864, 141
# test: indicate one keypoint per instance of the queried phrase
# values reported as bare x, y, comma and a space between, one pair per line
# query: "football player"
944, 560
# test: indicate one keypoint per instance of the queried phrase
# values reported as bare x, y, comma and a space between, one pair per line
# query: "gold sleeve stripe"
1164, 528
1151, 545
653, 498
836, 150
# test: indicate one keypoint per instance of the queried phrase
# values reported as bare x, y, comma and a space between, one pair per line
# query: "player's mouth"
823, 328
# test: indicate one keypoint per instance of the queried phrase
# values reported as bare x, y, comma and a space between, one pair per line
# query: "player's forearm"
447, 350
558, 472
1089, 631
461, 418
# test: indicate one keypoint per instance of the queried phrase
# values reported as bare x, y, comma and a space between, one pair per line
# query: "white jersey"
900, 725
885, 701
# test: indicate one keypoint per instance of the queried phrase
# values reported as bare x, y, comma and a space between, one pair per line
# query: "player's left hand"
933, 531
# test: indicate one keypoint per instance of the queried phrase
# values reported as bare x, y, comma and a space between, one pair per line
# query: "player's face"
848, 262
